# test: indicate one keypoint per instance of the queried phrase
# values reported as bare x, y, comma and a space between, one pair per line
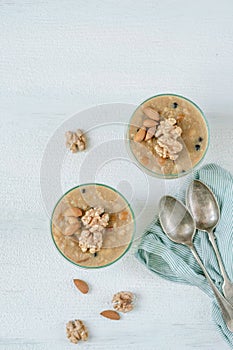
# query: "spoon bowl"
203, 205
176, 220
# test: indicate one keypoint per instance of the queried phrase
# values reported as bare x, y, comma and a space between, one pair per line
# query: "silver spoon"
205, 210
179, 226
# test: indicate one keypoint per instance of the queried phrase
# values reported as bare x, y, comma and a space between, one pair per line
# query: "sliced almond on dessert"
140, 135
149, 123
73, 212
81, 285
72, 220
112, 315
161, 161
151, 113
71, 229
150, 133
145, 160
123, 215
180, 117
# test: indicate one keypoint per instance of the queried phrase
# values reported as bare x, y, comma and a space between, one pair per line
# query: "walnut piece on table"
123, 301
75, 141
76, 331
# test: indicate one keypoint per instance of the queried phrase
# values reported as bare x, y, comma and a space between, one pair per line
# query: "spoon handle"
227, 286
226, 308
218, 256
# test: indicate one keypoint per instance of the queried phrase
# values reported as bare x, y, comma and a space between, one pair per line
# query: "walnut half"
94, 221
75, 141
123, 301
91, 241
167, 144
76, 331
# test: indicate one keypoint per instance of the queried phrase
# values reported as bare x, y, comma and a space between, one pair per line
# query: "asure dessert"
168, 135
92, 225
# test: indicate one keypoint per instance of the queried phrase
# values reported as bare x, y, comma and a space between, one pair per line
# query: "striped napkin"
175, 262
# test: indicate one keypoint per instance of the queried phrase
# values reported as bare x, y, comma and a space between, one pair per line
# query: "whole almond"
72, 220
180, 117
71, 229
81, 285
149, 123
112, 315
140, 135
151, 113
150, 133
161, 161
123, 215
73, 212
145, 160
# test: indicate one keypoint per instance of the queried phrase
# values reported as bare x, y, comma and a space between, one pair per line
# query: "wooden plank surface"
61, 57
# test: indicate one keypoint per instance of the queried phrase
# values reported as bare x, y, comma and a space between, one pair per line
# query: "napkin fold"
176, 263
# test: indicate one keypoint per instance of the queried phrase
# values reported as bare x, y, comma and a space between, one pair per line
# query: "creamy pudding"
168, 135
92, 225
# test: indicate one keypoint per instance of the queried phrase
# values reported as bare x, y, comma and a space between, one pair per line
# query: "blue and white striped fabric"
175, 262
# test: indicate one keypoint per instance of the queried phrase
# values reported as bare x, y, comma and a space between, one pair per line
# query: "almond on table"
81, 285
112, 315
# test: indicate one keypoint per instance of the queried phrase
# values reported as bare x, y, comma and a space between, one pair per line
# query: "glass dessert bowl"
167, 135
92, 225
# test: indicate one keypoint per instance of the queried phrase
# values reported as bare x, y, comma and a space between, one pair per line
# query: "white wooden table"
61, 57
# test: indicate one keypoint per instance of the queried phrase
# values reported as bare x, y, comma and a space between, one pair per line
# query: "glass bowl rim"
129, 206
168, 176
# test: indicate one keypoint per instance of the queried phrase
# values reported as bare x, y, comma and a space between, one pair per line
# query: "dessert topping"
167, 144
91, 241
